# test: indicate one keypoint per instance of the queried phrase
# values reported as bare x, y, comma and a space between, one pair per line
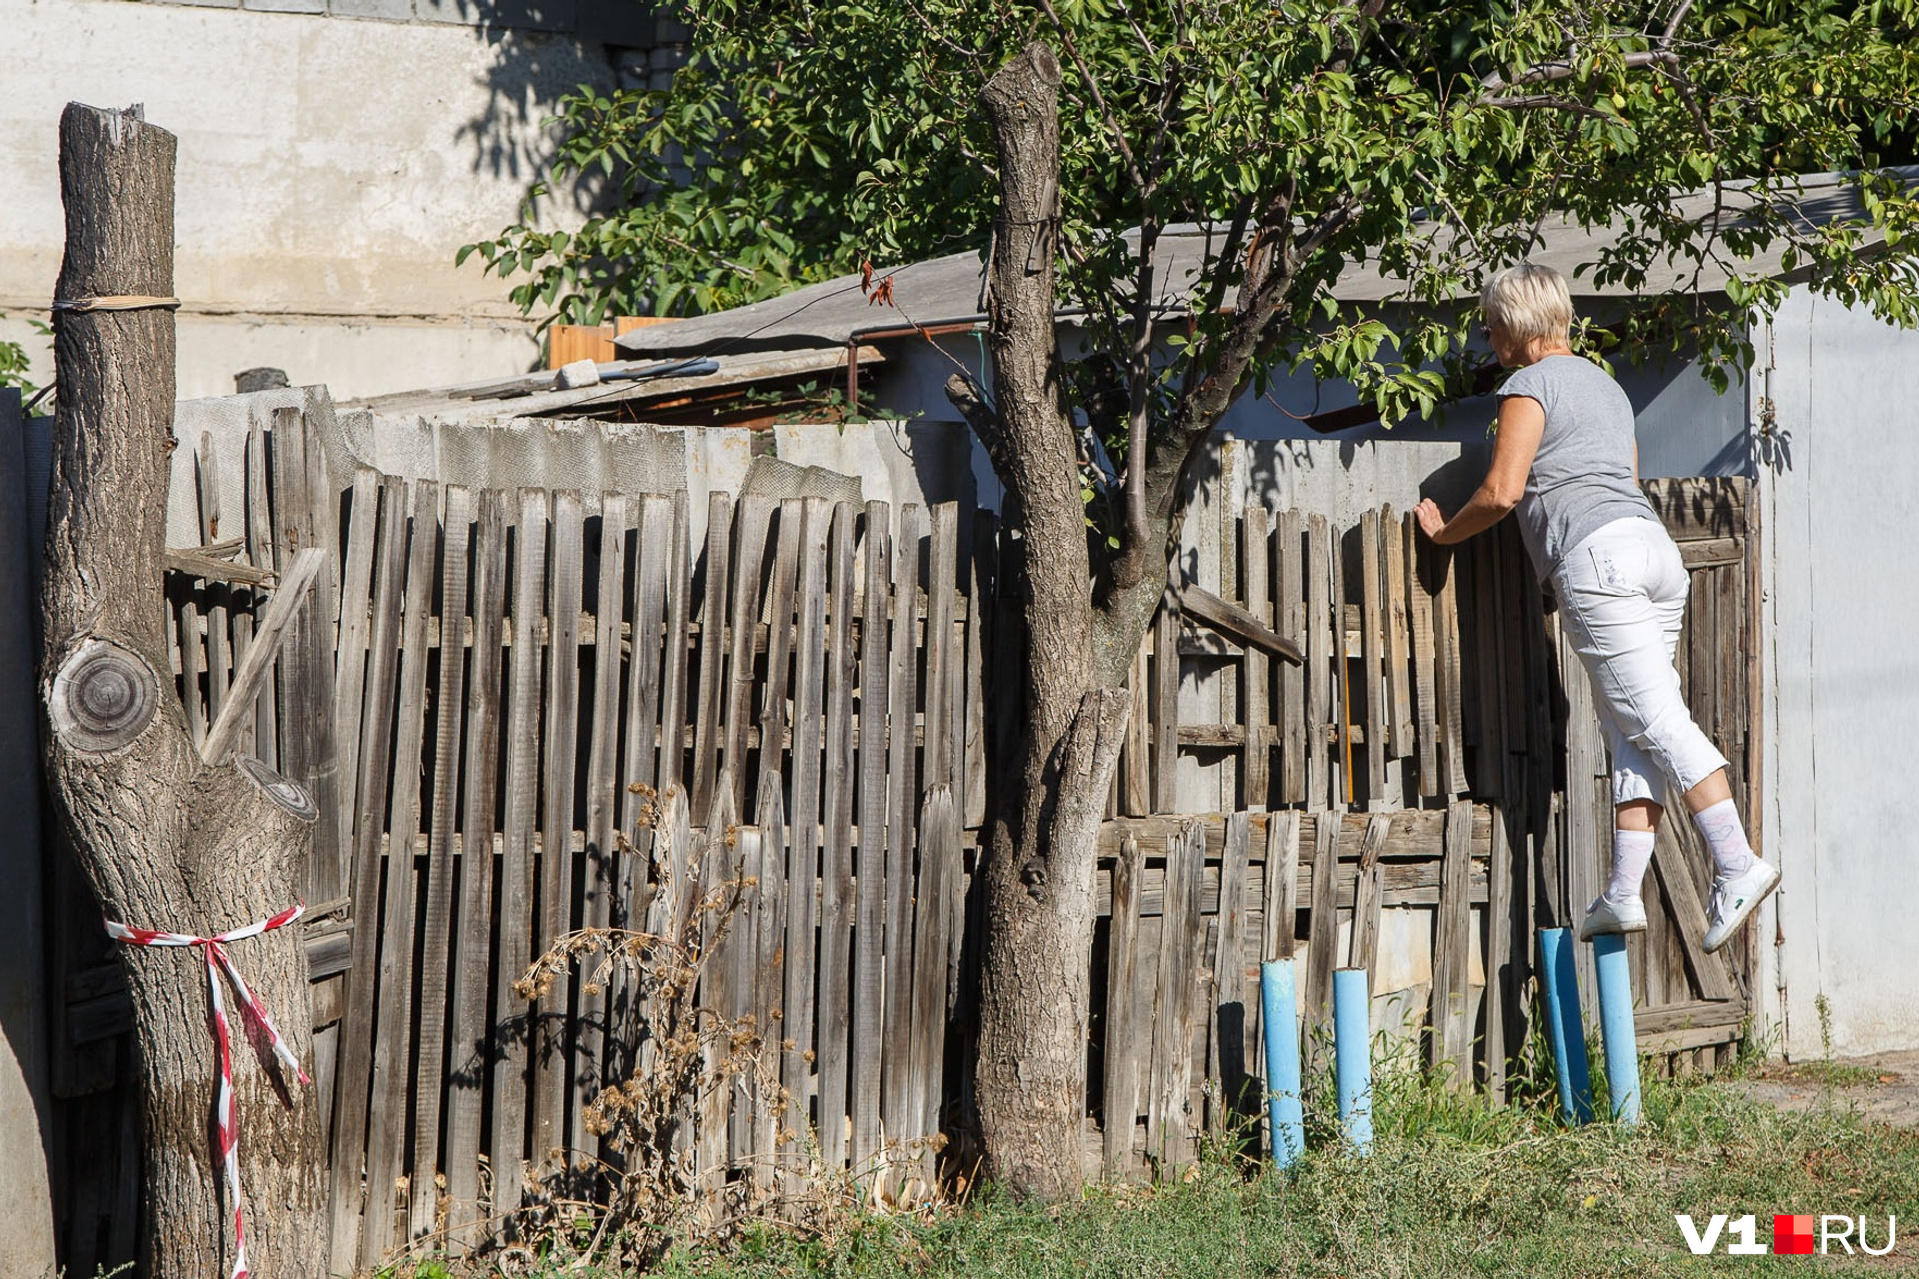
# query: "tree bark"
1050, 781
167, 841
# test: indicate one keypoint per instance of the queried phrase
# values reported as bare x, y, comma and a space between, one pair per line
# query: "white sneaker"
1608, 916
1733, 898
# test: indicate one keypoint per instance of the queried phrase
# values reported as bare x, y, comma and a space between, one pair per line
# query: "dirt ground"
1885, 1087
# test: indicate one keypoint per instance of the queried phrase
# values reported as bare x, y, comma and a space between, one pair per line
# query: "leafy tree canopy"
1430, 137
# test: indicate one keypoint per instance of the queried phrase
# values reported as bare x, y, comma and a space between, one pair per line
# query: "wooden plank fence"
528, 714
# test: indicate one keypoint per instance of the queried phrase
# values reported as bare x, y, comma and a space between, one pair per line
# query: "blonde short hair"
1530, 302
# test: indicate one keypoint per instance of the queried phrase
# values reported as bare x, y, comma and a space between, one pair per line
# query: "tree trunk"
167, 841
1049, 781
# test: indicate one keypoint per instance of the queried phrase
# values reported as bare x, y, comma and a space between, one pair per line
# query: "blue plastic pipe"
1616, 1024
1279, 1019
1352, 1056
1564, 1026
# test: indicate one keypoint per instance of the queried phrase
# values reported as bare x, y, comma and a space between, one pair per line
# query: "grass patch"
1455, 1187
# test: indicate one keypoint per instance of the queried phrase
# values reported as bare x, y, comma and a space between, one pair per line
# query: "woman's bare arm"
1521, 423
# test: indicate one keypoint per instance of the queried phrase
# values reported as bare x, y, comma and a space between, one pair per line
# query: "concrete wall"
1843, 677
330, 165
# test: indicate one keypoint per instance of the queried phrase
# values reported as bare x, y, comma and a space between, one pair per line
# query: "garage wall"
1843, 670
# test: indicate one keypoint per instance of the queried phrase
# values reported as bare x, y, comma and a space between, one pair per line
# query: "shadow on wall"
541, 51
514, 139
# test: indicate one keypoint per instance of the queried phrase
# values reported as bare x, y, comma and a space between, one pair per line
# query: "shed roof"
950, 290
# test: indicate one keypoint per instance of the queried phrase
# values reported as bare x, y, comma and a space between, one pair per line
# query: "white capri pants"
1622, 595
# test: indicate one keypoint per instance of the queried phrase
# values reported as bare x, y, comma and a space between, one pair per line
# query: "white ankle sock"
1631, 854
1725, 834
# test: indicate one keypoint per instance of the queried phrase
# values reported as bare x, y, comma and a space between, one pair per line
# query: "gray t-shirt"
1582, 476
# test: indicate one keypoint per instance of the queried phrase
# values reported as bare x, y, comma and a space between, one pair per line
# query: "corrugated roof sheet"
948, 290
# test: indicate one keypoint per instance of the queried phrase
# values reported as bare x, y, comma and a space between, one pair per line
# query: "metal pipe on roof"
857, 336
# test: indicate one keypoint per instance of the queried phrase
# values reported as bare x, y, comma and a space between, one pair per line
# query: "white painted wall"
329, 168
1842, 609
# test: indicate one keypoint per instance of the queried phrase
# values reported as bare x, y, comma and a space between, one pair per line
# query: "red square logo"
1793, 1234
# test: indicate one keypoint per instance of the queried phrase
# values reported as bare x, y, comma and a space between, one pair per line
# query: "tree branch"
1037, 443
1547, 72
1545, 101
1099, 100
1139, 384
1347, 46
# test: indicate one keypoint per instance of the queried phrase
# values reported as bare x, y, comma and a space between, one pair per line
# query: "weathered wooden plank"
1201, 605
939, 883
1280, 901
521, 819
1413, 834
436, 957
983, 574
653, 551
553, 1047
262, 553
1374, 627
1135, 766
596, 871
672, 761
276, 629
897, 1116
219, 659
356, 1033
1692, 1014
1230, 1035
1182, 938
1166, 676
1419, 610
742, 1010
1363, 952
1345, 644
1400, 741
803, 866
393, 1028
1489, 670
200, 565
1256, 768
717, 899
327, 863
671, 915
1698, 509
1451, 759
306, 666
836, 858
350, 653
1502, 985
1588, 831
706, 721
1125, 1045
1539, 860
470, 1046
870, 871
752, 518
646, 740
937, 766
1322, 939
771, 1111
1290, 619
1452, 1022
779, 647
1708, 972
1322, 678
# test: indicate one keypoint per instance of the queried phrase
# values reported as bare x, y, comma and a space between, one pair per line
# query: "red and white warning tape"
259, 1024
